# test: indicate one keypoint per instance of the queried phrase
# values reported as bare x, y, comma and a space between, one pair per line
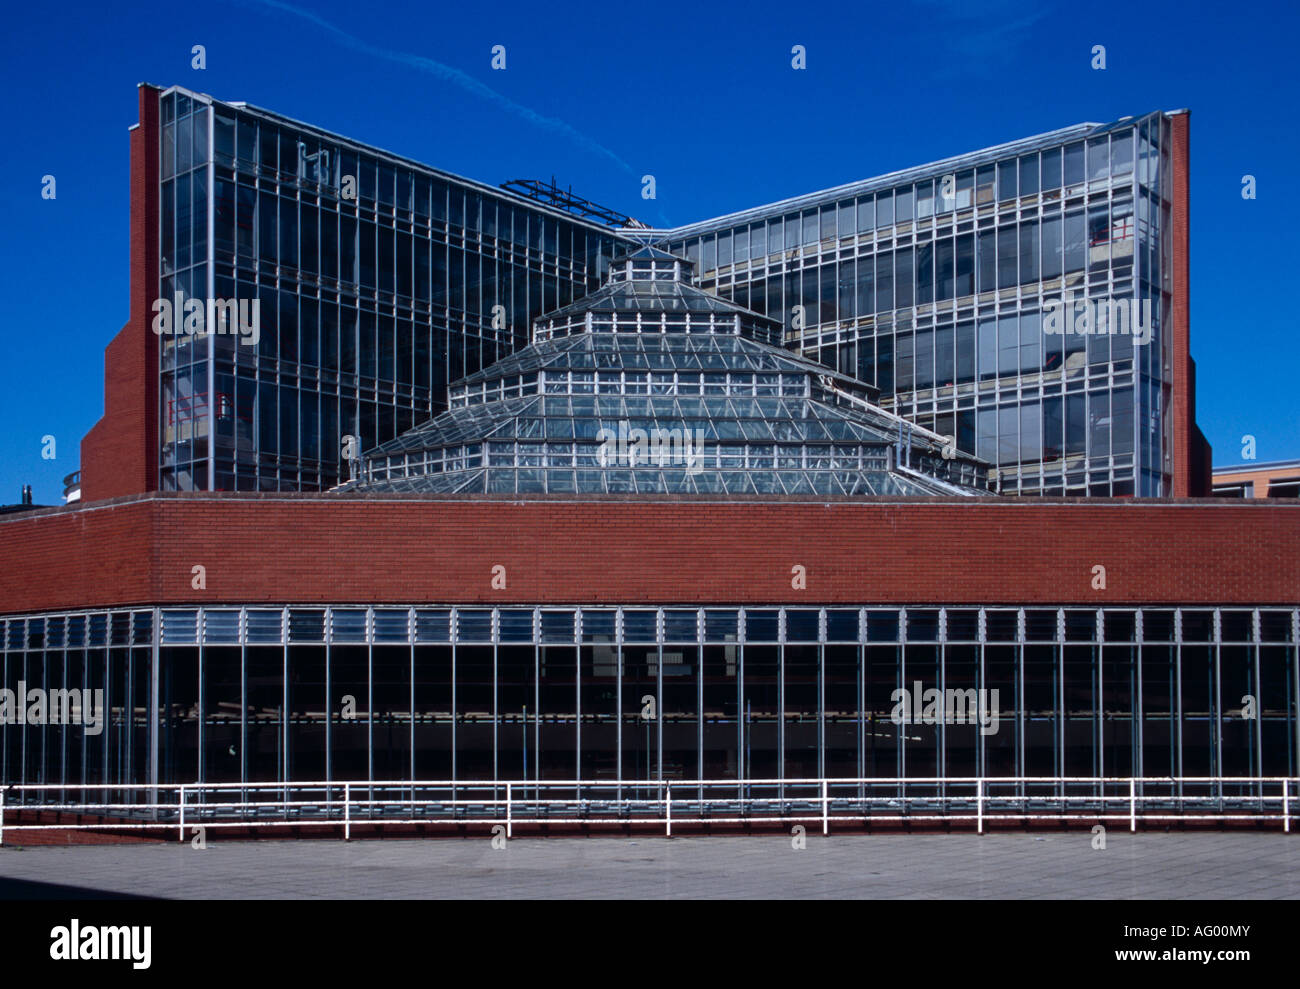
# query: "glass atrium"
652, 385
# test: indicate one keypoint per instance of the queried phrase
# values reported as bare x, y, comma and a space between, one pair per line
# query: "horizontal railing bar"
801, 781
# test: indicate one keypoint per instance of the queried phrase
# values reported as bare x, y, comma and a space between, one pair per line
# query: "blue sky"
701, 96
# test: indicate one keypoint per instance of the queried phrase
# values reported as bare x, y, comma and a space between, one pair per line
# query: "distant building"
1277, 479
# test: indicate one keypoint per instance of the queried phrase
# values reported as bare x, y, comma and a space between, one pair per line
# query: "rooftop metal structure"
552, 195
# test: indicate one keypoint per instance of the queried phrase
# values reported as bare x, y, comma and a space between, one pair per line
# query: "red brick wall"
119, 455
1191, 454
306, 548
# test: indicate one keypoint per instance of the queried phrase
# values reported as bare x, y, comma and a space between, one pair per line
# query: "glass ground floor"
264, 694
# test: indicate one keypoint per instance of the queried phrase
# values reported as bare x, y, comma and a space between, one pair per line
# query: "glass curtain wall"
646, 694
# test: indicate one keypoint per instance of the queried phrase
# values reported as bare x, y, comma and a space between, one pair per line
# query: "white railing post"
1286, 805
510, 828
181, 800
979, 804
347, 811
826, 810
2, 815
1132, 805
668, 806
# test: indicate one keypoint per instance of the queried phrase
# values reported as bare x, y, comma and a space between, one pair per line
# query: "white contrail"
452, 75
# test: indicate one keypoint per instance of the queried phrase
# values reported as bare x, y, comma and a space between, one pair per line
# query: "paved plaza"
1053, 866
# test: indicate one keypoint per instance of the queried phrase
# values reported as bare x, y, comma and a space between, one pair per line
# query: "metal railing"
968, 801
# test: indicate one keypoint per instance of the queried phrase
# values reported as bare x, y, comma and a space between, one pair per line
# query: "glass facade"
378, 281
653, 386
312, 693
933, 284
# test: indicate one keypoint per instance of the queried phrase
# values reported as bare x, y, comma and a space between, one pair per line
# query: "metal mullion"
1021, 697
741, 636
1098, 703
284, 695
618, 699
1139, 714
941, 733
243, 695
1216, 769
1058, 756
1295, 688
780, 699
209, 261
329, 695
537, 695
821, 693
577, 693
900, 735
659, 697
981, 744
154, 673
410, 641
201, 769
1176, 675
1257, 756
861, 673
453, 635
699, 698
496, 706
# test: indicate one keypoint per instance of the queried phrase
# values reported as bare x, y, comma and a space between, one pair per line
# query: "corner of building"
119, 455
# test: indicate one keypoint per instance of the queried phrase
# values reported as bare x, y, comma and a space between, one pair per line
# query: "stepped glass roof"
651, 385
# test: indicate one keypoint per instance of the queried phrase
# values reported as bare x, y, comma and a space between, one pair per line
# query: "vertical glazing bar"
1177, 756
201, 769
370, 697
821, 699
452, 621
410, 640
154, 726
1216, 706
900, 734
577, 698
741, 634
284, 699
537, 703
210, 291
699, 699
329, 695
1257, 688
659, 697
243, 698
618, 703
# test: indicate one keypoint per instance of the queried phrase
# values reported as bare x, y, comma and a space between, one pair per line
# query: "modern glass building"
652, 386
261, 693
380, 280
931, 283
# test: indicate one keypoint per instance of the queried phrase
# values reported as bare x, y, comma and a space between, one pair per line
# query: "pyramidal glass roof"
651, 385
